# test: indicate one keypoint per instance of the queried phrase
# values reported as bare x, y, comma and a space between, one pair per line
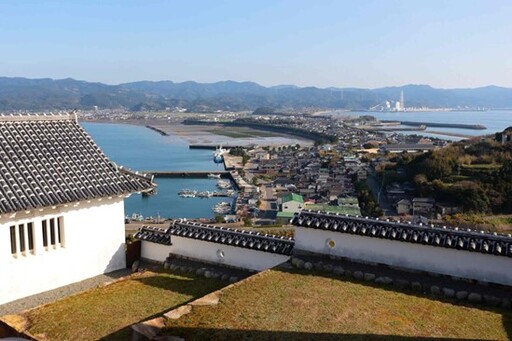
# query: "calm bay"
142, 149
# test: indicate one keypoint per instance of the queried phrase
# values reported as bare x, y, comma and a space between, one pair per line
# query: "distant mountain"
49, 94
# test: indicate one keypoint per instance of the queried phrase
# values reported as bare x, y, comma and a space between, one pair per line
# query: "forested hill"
48, 94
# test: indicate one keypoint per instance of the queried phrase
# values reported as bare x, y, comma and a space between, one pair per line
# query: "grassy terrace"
107, 312
281, 305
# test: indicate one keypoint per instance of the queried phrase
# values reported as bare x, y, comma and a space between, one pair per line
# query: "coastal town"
327, 171
256, 170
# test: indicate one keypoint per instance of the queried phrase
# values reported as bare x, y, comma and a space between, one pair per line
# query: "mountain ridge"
19, 93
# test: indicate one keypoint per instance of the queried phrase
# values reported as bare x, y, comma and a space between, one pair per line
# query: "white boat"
213, 176
223, 184
187, 193
218, 154
205, 194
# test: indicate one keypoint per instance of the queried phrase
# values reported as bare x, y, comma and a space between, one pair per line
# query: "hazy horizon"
250, 81
455, 44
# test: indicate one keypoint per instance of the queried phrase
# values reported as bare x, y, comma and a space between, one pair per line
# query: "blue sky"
448, 44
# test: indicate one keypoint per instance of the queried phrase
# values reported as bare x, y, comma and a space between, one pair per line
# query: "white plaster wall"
292, 206
473, 265
155, 252
208, 251
94, 244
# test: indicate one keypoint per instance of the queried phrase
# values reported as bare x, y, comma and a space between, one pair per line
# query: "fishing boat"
222, 207
223, 184
205, 194
218, 154
187, 193
213, 176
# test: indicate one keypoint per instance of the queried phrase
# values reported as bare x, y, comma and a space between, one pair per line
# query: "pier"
215, 146
189, 174
440, 125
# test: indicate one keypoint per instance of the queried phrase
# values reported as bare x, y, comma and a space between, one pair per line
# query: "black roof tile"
51, 160
453, 238
233, 237
153, 234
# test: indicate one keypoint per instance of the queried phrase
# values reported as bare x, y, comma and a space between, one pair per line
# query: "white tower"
402, 103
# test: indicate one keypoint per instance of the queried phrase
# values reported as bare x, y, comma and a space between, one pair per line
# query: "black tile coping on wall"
439, 236
218, 234
152, 234
50, 160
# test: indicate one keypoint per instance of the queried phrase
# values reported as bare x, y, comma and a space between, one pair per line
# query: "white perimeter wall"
209, 252
94, 244
466, 264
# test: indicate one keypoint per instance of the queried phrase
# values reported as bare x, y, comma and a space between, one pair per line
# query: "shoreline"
207, 134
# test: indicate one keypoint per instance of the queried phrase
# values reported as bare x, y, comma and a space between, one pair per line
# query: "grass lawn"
107, 312
281, 305
501, 223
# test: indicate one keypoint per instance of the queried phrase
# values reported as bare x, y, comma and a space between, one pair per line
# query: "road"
268, 206
379, 195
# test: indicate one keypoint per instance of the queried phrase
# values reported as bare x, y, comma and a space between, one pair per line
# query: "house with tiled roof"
61, 205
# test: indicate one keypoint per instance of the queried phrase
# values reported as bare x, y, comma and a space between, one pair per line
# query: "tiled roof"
293, 197
452, 238
153, 234
238, 238
51, 160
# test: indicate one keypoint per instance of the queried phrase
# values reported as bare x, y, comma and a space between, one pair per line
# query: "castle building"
61, 205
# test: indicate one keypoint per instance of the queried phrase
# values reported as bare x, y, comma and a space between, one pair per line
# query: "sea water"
494, 121
142, 149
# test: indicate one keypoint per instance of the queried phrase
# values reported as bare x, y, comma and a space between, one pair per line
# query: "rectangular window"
52, 231
30, 235
13, 239
21, 236
45, 233
60, 229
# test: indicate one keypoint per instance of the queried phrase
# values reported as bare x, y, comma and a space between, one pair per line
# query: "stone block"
135, 266
369, 277
338, 270
402, 283
474, 297
448, 292
492, 300
328, 268
435, 290
358, 275
416, 286
461, 295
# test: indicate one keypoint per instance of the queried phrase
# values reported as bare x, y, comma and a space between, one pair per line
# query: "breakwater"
158, 130
443, 125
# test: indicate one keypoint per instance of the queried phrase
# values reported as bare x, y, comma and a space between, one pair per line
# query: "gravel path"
56, 294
